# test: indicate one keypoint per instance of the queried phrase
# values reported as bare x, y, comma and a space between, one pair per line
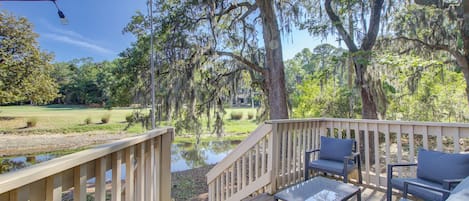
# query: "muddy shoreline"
14, 144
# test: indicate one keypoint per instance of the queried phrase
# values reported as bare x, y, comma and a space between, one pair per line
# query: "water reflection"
184, 156
16, 163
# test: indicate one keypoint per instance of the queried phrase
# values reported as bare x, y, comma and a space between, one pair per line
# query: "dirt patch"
12, 145
190, 185
6, 118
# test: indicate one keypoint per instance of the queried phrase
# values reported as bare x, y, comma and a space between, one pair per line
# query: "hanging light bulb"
62, 17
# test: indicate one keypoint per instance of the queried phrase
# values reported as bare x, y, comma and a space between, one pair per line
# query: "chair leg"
306, 173
389, 193
360, 177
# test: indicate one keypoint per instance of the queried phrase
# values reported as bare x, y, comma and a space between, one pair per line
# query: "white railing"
245, 171
146, 159
381, 143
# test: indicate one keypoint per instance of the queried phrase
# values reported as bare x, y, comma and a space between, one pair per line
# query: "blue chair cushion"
437, 166
461, 192
330, 166
335, 149
425, 194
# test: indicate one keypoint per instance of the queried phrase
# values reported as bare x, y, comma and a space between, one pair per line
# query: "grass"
70, 119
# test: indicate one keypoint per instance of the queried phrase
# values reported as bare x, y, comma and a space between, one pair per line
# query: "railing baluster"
157, 147
411, 148
53, 188
116, 176
100, 189
129, 173
377, 153
456, 136
425, 138
149, 154
37, 191
140, 172
284, 155
387, 142
238, 176
257, 162
264, 155
80, 177
294, 136
366, 138
439, 139
399, 148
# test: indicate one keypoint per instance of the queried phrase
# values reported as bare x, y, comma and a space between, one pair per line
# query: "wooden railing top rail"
410, 123
242, 148
13, 180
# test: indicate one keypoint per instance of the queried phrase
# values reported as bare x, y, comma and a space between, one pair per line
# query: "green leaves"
24, 69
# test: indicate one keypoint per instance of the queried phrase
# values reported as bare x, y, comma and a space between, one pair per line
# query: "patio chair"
459, 193
435, 170
336, 156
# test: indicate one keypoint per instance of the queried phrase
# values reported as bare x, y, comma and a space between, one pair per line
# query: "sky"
95, 27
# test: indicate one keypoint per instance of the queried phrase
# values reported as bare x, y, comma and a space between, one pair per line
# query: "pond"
184, 156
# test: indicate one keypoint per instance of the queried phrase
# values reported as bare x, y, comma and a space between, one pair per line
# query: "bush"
105, 118
236, 115
250, 115
88, 120
129, 118
31, 122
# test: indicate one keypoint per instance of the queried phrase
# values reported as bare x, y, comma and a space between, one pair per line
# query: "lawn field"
71, 118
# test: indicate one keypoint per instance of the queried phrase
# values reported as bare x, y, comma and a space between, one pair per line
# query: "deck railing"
145, 160
380, 142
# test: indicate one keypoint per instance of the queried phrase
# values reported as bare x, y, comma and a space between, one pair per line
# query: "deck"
368, 194
269, 160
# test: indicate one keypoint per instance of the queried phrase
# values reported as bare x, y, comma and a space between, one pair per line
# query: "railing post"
165, 184
272, 163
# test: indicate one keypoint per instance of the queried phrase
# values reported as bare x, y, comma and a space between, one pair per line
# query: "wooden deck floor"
368, 194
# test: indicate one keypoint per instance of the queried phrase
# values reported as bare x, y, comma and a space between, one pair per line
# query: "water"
184, 156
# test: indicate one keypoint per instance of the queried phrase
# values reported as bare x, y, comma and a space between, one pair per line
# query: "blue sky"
95, 27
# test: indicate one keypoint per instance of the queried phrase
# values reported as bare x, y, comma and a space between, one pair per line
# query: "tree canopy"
24, 68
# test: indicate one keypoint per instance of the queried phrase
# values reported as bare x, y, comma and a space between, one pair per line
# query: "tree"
360, 44
24, 69
217, 30
436, 26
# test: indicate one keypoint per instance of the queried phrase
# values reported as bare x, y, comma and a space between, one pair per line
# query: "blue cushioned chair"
336, 156
459, 193
434, 170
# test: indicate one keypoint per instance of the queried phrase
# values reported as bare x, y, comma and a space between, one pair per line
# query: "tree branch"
370, 37
432, 46
242, 60
340, 28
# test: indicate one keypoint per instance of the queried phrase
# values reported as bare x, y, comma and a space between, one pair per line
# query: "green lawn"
71, 118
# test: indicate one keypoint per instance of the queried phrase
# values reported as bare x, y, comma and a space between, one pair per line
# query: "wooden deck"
368, 194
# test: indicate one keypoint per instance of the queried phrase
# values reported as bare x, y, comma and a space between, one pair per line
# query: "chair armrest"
353, 156
391, 166
449, 183
311, 151
407, 183
308, 157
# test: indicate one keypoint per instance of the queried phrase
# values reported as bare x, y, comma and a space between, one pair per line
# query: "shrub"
31, 122
88, 120
236, 115
129, 118
250, 115
105, 118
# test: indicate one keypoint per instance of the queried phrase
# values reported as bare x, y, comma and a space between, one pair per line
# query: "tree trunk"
369, 110
274, 73
464, 63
